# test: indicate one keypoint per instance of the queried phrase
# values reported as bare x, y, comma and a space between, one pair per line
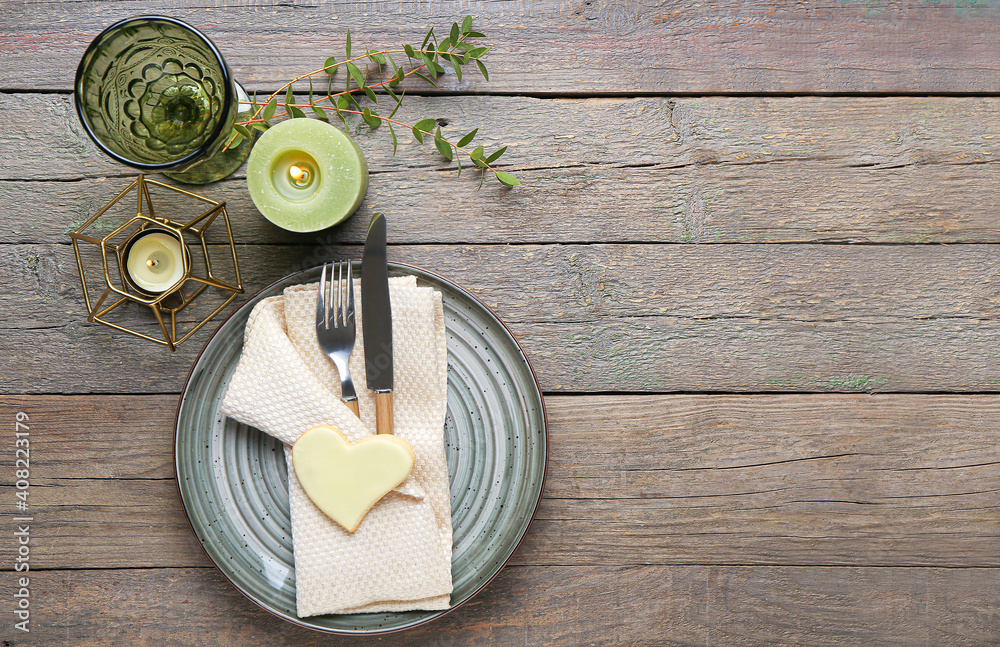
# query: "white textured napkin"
399, 558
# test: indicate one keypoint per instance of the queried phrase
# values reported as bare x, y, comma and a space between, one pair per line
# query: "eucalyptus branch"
425, 62
312, 104
445, 146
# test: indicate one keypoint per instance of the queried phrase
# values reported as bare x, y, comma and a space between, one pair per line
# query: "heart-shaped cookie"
345, 480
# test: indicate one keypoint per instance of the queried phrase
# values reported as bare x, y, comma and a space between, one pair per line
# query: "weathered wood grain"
106, 437
559, 605
645, 354
606, 317
714, 170
42, 137
563, 47
854, 480
773, 203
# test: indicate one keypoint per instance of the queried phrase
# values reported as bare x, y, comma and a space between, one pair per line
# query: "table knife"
376, 321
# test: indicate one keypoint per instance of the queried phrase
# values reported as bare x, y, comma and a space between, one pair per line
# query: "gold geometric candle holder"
102, 246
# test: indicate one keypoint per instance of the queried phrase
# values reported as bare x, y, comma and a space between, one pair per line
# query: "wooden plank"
713, 170
858, 480
773, 203
83, 523
588, 283
557, 605
569, 48
106, 437
43, 139
606, 317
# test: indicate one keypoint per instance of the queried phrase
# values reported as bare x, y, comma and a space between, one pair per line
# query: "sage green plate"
233, 481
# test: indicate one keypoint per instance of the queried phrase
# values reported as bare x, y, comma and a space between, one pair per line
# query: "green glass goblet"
156, 94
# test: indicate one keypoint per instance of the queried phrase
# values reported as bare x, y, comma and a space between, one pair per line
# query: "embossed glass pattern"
156, 94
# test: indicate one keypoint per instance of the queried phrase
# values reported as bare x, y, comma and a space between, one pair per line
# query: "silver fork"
335, 328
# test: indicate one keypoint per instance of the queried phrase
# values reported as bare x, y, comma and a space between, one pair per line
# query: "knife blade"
376, 321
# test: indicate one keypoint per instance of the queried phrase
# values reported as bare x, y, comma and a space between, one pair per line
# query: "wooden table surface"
754, 261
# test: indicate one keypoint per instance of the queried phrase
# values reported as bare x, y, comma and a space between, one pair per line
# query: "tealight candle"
154, 261
305, 175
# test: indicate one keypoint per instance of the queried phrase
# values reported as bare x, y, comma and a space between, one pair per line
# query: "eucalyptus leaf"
289, 97
343, 102
258, 126
459, 160
235, 141
371, 118
421, 76
507, 179
321, 113
458, 69
243, 130
425, 125
395, 97
295, 112
444, 148
356, 74
496, 155
392, 132
429, 64
467, 139
421, 127
467, 25
482, 70
409, 51
348, 47
399, 102
269, 109
400, 75
478, 51
330, 66
475, 34
464, 45
371, 94
427, 38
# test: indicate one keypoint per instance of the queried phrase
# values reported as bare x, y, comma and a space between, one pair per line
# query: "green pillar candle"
305, 175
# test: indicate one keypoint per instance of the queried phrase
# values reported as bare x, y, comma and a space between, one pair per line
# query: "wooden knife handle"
383, 413
353, 404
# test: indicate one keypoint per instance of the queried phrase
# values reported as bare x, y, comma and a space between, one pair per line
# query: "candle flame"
295, 171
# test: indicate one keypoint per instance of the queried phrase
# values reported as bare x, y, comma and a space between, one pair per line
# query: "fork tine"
350, 294
321, 304
340, 295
